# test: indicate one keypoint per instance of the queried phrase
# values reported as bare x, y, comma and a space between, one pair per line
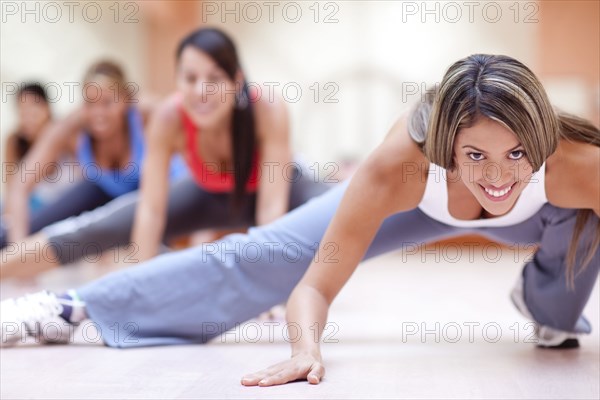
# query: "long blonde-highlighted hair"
506, 91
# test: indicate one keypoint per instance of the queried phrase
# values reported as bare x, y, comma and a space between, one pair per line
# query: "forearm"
147, 232
18, 212
307, 308
268, 214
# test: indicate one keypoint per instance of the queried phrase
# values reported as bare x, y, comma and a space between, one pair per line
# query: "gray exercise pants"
190, 208
81, 196
193, 295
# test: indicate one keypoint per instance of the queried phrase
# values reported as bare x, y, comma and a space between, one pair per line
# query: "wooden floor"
404, 327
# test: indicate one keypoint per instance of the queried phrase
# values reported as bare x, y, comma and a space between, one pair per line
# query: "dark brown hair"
32, 89
222, 50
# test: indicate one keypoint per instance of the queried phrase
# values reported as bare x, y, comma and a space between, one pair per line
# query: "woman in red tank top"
225, 130
211, 179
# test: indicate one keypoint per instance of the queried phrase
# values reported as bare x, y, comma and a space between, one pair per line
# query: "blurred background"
347, 69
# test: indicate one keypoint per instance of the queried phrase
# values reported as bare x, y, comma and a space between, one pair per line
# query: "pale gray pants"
193, 295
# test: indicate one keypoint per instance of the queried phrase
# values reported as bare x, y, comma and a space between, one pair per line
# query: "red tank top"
205, 176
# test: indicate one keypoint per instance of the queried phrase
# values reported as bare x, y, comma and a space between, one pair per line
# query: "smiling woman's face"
492, 163
105, 106
208, 92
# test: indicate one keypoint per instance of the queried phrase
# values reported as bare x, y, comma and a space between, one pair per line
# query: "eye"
475, 156
190, 79
517, 155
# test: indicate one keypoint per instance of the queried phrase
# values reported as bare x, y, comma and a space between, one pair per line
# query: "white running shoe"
546, 337
36, 315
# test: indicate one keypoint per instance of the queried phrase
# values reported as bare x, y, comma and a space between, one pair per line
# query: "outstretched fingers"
285, 372
257, 377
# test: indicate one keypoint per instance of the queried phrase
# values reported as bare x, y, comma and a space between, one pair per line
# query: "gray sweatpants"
194, 295
190, 208
79, 197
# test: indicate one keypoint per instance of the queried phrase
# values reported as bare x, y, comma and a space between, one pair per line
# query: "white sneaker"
546, 337
36, 315
551, 338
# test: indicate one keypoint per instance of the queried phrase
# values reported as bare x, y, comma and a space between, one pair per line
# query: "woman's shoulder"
13, 137
400, 164
165, 126
573, 175
399, 152
270, 112
11, 144
265, 100
166, 118
169, 109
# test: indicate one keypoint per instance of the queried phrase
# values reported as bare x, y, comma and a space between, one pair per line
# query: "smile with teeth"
498, 193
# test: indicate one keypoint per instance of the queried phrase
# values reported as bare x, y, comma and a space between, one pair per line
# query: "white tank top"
435, 201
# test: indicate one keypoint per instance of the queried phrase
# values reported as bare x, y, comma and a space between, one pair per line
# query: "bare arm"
376, 191
147, 106
53, 142
573, 176
11, 162
275, 154
594, 192
150, 215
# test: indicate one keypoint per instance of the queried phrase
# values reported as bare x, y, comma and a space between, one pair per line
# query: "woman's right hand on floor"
299, 367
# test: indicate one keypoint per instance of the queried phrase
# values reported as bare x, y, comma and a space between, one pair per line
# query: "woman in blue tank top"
106, 137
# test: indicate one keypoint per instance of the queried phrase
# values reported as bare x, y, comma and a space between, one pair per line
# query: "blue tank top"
116, 182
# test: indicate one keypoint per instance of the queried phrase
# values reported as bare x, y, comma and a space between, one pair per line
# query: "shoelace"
37, 307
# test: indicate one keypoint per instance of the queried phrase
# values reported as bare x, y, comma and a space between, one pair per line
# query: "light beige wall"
372, 55
59, 52
166, 23
375, 53
569, 55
